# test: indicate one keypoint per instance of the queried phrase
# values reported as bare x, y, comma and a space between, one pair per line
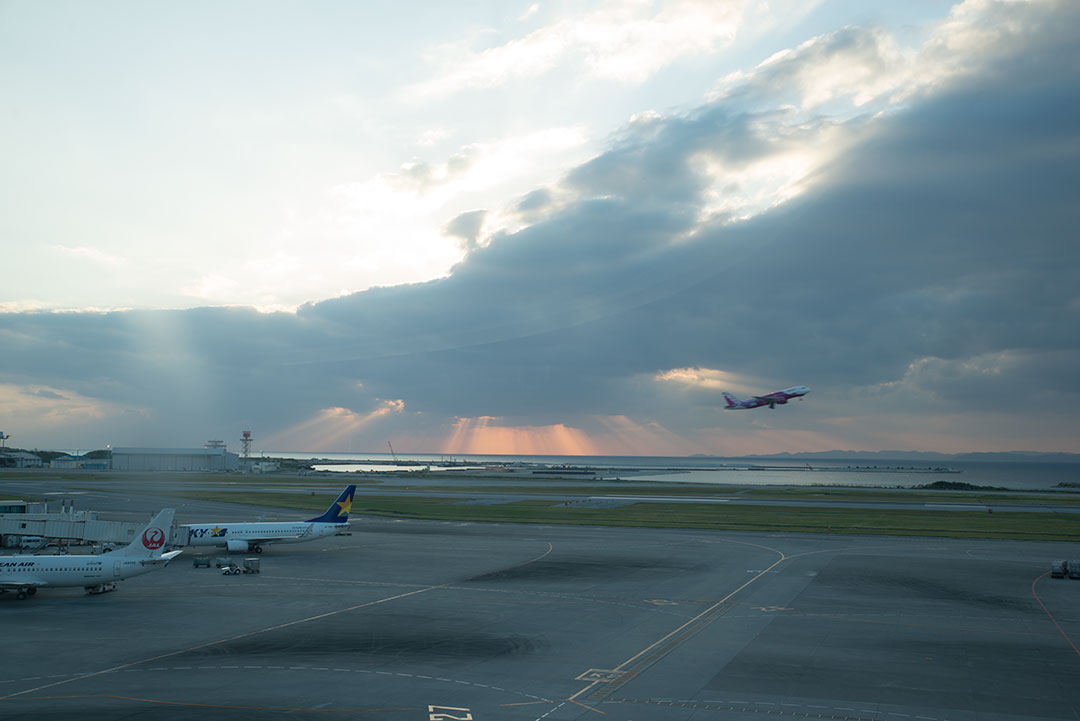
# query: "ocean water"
735, 471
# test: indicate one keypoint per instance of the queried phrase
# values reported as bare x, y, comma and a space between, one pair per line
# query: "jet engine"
237, 546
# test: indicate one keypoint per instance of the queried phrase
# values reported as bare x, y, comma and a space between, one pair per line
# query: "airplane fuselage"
70, 570
776, 398
255, 533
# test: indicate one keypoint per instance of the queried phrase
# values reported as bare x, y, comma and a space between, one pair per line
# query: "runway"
442, 621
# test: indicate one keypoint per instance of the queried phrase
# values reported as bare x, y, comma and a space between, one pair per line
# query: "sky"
540, 228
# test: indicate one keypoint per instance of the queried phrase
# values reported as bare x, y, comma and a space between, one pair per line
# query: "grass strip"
893, 522
772, 493
90, 480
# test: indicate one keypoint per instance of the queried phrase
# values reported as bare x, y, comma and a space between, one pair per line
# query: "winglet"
338, 512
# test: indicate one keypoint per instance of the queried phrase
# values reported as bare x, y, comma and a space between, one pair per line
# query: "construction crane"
392, 454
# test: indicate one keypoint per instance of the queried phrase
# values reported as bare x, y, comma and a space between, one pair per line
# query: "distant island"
929, 456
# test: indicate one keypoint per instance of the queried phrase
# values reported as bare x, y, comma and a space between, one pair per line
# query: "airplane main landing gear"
101, 588
22, 595
257, 549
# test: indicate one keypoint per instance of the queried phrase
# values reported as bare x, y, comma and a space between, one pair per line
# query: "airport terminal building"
174, 459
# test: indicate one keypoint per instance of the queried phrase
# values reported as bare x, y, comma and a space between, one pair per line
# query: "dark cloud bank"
948, 233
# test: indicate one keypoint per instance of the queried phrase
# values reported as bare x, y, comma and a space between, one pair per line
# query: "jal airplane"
98, 574
769, 399
253, 535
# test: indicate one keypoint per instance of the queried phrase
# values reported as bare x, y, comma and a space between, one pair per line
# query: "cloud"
332, 427
860, 69
998, 380
624, 41
430, 137
920, 280
853, 64
94, 255
696, 380
467, 227
387, 229
51, 395
39, 411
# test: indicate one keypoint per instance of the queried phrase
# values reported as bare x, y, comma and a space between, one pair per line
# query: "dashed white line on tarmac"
551, 711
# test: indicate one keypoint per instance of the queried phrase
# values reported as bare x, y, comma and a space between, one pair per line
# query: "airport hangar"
174, 459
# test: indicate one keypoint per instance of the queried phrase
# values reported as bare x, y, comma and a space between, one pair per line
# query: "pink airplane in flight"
769, 399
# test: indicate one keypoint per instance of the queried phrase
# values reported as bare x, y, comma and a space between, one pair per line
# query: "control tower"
245, 445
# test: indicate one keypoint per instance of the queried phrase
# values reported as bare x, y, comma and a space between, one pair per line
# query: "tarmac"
416, 620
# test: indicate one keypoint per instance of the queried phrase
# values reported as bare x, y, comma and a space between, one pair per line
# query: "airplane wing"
21, 584
269, 540
163, 558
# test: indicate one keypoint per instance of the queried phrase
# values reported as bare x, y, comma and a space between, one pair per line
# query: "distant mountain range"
998, 457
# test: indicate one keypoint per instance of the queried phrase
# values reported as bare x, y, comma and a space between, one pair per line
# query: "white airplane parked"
252, 535
98, 574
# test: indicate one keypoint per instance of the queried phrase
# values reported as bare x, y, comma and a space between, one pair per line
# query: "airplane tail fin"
338, 512
150, 542
731, 400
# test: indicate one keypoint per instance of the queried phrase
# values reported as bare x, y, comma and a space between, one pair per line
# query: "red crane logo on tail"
153, 538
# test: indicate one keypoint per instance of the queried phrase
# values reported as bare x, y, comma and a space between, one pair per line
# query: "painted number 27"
439, 713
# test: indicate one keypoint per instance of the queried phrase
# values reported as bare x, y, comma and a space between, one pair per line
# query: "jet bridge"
65, 529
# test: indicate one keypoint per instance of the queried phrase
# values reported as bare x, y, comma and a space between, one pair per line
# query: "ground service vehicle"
251, 565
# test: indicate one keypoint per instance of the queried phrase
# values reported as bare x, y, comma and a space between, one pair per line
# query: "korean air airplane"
252, 536
98, 574
769, 399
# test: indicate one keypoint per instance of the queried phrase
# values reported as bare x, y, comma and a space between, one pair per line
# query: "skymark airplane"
98, 574
769, 399
251, 536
